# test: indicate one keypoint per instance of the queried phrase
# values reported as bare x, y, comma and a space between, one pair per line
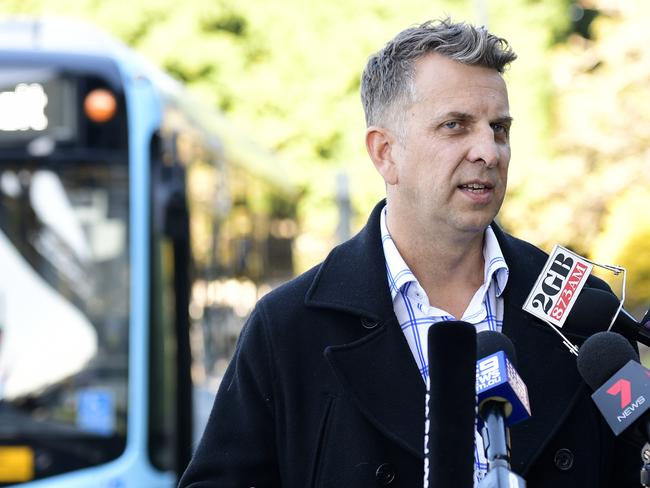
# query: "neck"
448, 265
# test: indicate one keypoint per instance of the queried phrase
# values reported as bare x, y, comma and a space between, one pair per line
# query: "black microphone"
502, 401
645, 321
610, 366
594, 305
450, 406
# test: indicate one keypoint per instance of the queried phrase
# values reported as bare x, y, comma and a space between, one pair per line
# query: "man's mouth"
476, 187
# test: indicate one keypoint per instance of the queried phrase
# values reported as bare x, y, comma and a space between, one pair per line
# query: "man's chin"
475, 225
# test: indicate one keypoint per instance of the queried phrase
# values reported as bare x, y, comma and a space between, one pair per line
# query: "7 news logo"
623, 388
624, 397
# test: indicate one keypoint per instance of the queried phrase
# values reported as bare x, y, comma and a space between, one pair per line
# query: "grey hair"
388, 77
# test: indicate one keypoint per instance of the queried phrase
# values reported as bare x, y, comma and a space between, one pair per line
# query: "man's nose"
484, 148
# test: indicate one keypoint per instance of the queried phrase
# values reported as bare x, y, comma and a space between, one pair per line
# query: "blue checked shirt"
415, 314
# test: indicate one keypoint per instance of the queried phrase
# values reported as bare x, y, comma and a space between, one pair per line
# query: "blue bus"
137, 231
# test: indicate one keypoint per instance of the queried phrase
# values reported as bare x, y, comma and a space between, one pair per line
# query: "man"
326, 387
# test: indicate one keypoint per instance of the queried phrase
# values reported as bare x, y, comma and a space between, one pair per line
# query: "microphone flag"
558, 286
496, 377
624, 397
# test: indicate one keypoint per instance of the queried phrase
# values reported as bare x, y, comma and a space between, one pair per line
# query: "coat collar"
353, 277
379, 372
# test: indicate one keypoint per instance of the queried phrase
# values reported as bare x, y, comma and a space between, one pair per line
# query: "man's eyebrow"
505, 120
466, 117
457, 116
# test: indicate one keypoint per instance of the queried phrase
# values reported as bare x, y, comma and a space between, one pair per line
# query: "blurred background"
287, 73
267, 182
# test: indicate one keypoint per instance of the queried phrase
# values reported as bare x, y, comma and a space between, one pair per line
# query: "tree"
288, 73
596, 179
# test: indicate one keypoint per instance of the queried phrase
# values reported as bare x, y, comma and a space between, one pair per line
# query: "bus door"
170, 387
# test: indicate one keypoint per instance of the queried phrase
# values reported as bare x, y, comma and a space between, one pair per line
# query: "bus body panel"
128, 471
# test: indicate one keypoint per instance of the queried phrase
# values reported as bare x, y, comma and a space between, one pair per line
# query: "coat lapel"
377, 371
380, 375
546, 366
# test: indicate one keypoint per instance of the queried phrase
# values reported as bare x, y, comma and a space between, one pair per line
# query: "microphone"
610, 366
450, 406
593, 304
502, 399
645, 321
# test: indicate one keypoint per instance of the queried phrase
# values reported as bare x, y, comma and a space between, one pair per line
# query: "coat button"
385, 474
563, 459
369, 324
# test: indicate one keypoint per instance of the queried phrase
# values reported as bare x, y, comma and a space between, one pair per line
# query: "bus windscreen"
64, 314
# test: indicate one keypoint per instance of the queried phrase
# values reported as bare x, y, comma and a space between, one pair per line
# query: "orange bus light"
100, 105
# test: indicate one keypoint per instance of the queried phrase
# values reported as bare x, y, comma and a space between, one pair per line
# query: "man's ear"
380, 143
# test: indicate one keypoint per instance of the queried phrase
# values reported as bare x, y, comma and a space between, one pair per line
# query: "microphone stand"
497, 450
645, 452
645, 470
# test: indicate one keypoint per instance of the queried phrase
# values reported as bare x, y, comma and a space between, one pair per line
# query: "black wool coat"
323, 390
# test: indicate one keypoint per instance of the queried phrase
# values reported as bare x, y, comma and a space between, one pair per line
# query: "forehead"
452, 85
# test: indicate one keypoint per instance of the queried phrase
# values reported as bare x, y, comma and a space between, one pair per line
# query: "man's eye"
451, 125
500, 128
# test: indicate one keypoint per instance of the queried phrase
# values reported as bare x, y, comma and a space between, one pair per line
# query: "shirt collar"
399, 273
495, 264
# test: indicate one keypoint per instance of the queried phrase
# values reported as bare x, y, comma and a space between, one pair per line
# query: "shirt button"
369, 324
385, 474
563, 459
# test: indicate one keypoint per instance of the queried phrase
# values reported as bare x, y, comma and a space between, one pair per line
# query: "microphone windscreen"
602, 355
451, 404
592, 311
488, 342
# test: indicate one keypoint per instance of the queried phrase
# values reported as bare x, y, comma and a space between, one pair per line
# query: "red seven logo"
623, 387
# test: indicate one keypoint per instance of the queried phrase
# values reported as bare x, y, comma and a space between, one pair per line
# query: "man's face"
451, 160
